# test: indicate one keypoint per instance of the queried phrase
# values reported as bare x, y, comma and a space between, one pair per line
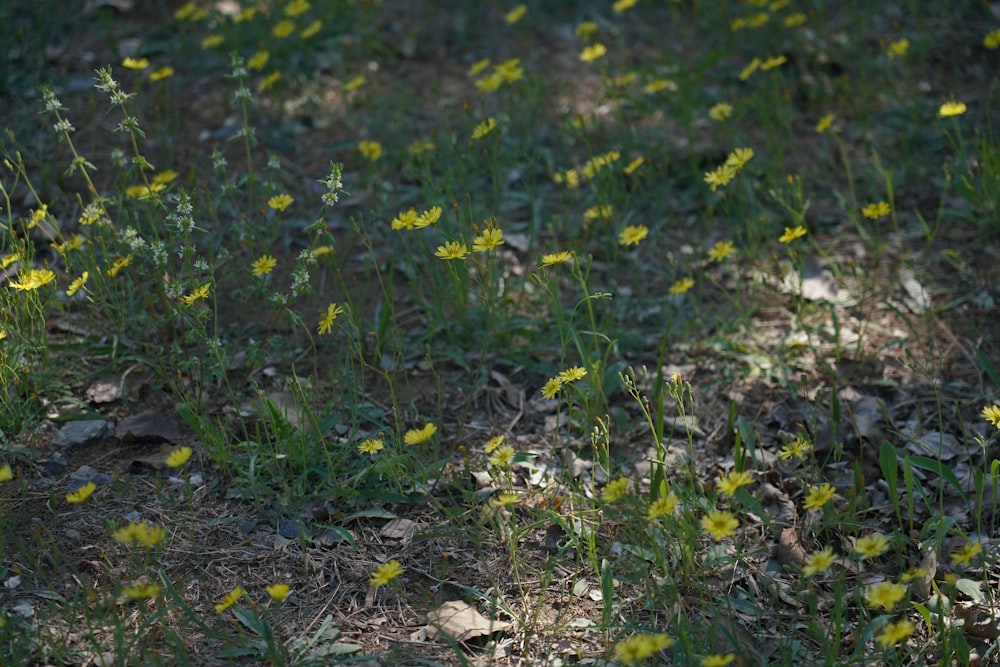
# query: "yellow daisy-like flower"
505, 499
420, 146
731, 483
494, 443
479, 67
895, 633
876, 210
311, 30
721, 250
515, 15
502, 456
452, 250
178, 457
913, 573
484, 128
599, 212
656, 85
162, 73
720, 524
419, 436
871, 545
622, 5
385, 573
898, 48
258, 60
557, 258
141, 533
280, 202
370, 150
824, 123
283, 29
572, 374
991, 413
633, 165
633, 234
32, 279
427, 218
263, 265
197, 294
82, 493
585, 30
354, 83
268, 81
6, 474
615, 491
739, 158
796, 449
750, 69
992, 40
551, 388
772, 62
819, 496
229, 600
720, 112
142, 591
952, 109
720, 177
119, 264
326, 321
7, 260
77, 284
792, 233
488, 240
796, 19
593, 52
278, 592
164, 177
818, 561
135, 63
884, 595
681, 286
212, 41
371, 446
663, 506
640, 647
405, 220
964, 554
718, 660
296, 7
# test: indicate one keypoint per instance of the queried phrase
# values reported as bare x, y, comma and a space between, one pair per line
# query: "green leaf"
936, 466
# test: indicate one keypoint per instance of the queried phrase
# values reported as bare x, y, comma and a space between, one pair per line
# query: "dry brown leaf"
461, 622
790, 549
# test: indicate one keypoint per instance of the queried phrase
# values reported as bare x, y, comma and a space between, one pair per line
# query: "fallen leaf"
461, 622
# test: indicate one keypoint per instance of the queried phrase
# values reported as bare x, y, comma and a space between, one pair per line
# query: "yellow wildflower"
593, 52
871, 545
991, 413
792, 233
721, 250
197, 294
884, 595
876, 210
818, 561
633, 234
370, 150
488, 240
452, 250
280, 202
82, 493
278, 592
484, 128
135, 63
895, 633
720, 524
681, 286
32, 279
178, 457
614, 491
385, 573
952, 109
554, 258
818, 496
729, 484
326, 321
263, 265
283, 29
371, 446
229, 600
639, 647
420, 435
515, 15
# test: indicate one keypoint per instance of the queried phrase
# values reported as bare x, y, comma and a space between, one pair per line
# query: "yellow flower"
479, 67
420, 435
792, 233
258, 60
419, 146
268, 81
599, 212
371, 446
871, 545
370, 150
640, 647
142, 591
515, 15
572, 374
876, 210
991, 413
824, 123
739, 158
452, 250
729, 484
505, 499
143, 533
633, 234
895, 633
7, 260
278, 592
593, 52
622, 5
656, 85
229, 600
772, 62
585, 30
296, 7
212, 41
792, 20
796, 449
280, 202
311, 30
6, 474
77, 284
681, 286
614, 491
162, 73
719, 524
992, 40
720, 112
502, 456
32, 279
245, 14
179, 457
326, 321
263, 265
510, 70
721, 250
383, 574
663, 506
951, 109
488, 240
913, 573
557, 258
484, 128
750, 69
884, 595
405, 220
197, 294
354, 83
283, 29
136, 63
898, 48
185, 11
494, 443
81, 493
818, 561
964, 554
718, 660
428, 217
551, 388
633, 165
819, 496
720, 177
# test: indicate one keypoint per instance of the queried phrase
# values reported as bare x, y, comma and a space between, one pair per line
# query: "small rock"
55, 465
81, 432
150, 426
103, 391
288, 528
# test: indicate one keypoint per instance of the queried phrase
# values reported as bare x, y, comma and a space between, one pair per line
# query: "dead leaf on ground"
790, 549
461, 622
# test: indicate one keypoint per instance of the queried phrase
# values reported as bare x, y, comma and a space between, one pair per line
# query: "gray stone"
82, 432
